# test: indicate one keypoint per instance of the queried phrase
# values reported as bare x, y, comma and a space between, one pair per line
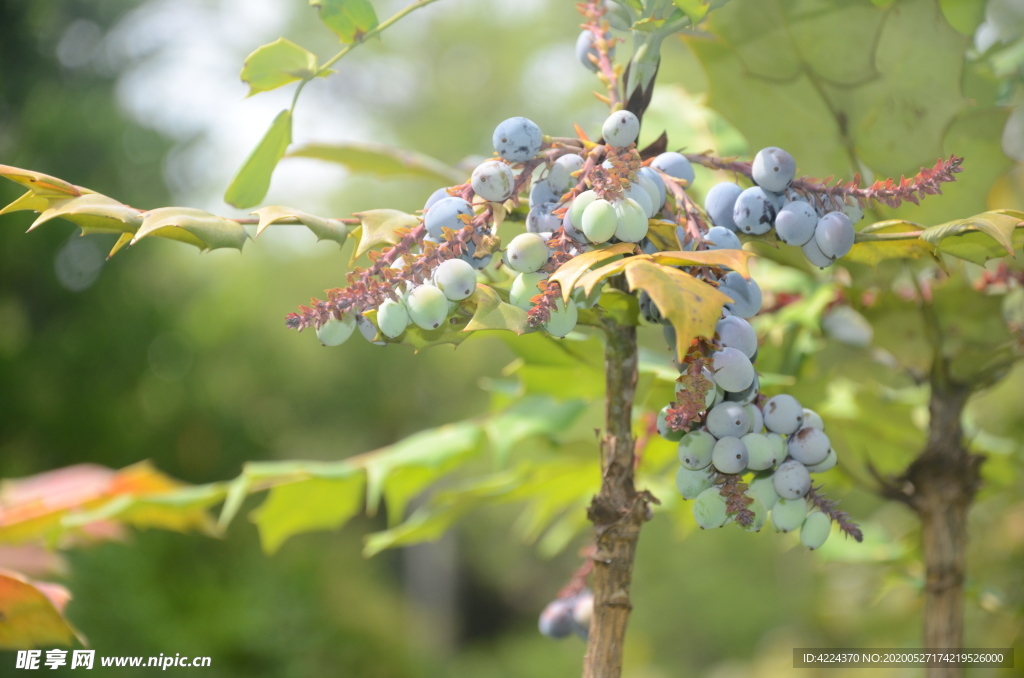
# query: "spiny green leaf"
253, 179
94, 213
306, 505
874, 252
452, 331
430, 521
977, 239
277, 63
571, 271
691, 305
400, 472
192, 226
380, 159
349, 19
695, 9
322, 228
527, 418
492, 313
381, 226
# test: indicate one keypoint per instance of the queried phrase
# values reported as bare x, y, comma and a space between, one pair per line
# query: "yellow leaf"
571, 271
692, 306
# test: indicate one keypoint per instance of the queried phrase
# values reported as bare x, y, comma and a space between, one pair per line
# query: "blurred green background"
163, 353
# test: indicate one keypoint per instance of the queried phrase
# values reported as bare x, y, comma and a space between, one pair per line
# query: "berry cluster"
820, 225
743, 457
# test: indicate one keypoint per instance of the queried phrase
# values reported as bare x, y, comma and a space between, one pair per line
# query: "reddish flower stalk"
889, 192
594, 13
736, 502
842, 518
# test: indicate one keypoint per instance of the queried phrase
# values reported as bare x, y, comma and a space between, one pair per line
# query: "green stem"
883, 237
376, 30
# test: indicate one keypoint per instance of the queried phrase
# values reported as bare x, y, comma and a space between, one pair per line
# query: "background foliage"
181, 358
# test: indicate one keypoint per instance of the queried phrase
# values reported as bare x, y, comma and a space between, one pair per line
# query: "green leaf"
979, 238
94, 213
571, 271
400, 472
381, 160
381, 226
691, 305
622, 307
277, 63
31, 614
430, 521
314, 503
192, 226
530, 417
695, 9
322, 228
451, 332
492, 313
253, 179
349, 19
884, 87
963, 15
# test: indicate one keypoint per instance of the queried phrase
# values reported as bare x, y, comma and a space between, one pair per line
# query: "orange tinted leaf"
31, 614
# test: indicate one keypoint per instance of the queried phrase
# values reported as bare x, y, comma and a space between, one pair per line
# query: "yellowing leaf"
492, 313
873, 252
349, 19
253, 179
30, 201
977, 239
736, 260
41, 184
571, 271
692, 306
382, 160
192, 226
322, 228
276, 64
380, 226
94, 213
47, 505
589, 280
31, 614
